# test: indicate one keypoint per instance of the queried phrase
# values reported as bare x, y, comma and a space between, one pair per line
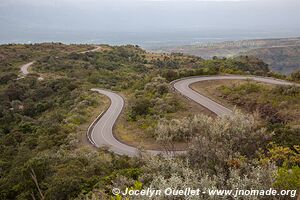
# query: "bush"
296, 76
224, 139
288, 179
271, 114
4, 78
139, 108
287, 90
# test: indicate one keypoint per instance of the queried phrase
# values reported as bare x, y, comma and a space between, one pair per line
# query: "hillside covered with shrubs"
43, 155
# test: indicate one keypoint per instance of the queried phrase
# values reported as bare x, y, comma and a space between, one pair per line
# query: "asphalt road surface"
24, 68
101, 131
183, 87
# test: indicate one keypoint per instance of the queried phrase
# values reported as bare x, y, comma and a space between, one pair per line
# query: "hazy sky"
25, 17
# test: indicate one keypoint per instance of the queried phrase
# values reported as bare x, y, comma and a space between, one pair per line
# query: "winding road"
183, 87
100, 132
97, 48
24, 68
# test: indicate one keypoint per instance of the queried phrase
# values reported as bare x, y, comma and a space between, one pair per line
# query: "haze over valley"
145, 22
149, 99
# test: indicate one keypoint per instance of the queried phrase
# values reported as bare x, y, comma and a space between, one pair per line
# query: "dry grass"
210, 89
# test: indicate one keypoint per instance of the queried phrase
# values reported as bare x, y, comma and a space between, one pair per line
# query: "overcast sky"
40, 16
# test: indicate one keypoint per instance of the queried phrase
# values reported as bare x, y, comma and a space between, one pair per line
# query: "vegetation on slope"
283, 59
278, 109
39, 122
12, 56
282, 55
